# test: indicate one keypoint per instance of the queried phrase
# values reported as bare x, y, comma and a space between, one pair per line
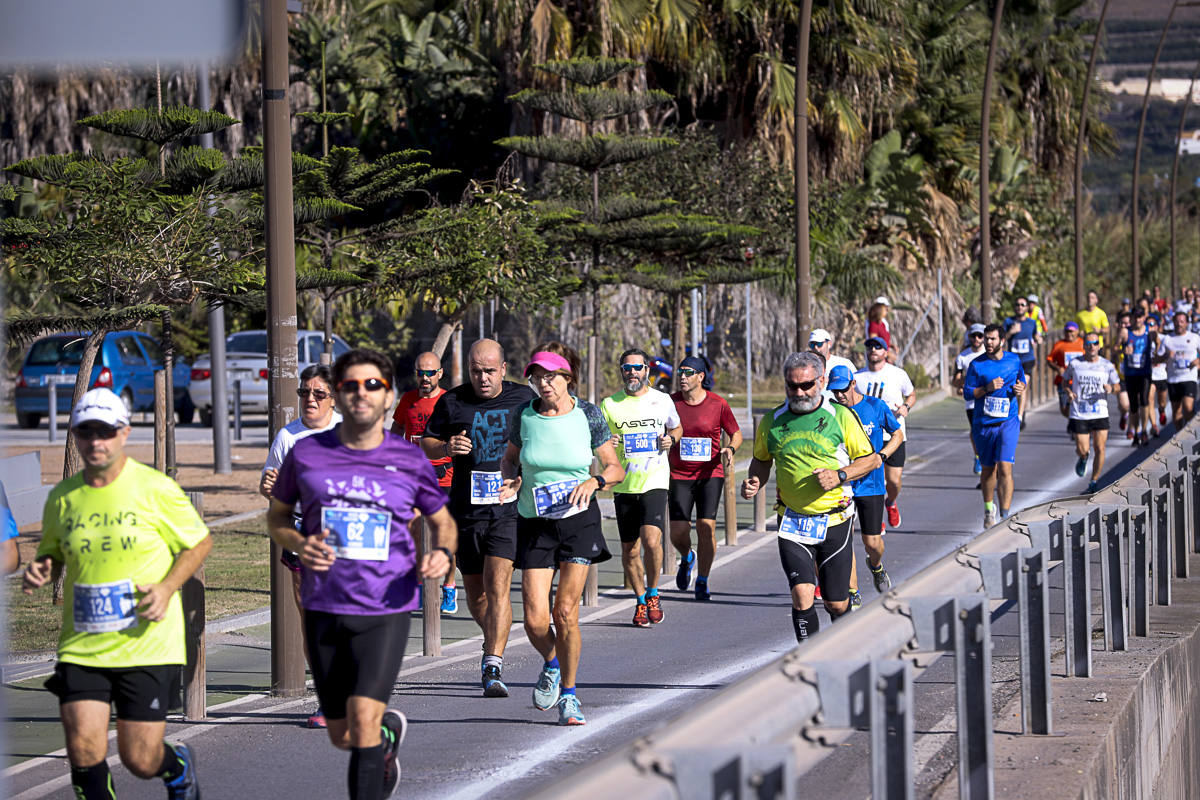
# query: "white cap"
100, 405
978, 327
1033, 298
883, 299
819, 336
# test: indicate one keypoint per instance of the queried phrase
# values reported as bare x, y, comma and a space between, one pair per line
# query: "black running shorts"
636, 510
869, 511
896, 459
354, 654
1177, 391
480, 538
546, 543
1086, 426
829, 561
1161, 388
141, 694
1138, 387
701, 494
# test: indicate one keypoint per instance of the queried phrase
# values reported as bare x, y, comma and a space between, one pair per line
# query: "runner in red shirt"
412, 412
698, 470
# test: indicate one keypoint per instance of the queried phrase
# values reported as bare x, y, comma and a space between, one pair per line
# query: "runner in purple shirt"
358, 486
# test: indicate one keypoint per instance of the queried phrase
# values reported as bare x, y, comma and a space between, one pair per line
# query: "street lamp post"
800, 133
1080, 292
985, 157
1187, 104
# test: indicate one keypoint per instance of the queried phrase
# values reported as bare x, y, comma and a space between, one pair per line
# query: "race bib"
695, 448
1021, 345
358, 534
104, 607
1182, 364
485, 488
1069, 357
553, 500
640, 445
996, 406
1135, 360
803, 528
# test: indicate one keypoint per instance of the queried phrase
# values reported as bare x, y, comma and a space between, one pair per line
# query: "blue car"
126, 364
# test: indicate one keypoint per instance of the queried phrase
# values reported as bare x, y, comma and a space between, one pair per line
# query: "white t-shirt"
1185, 347
890, 384
961, 362
287, 437
1087, 380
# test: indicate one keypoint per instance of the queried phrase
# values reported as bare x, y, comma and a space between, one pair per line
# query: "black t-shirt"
487, 422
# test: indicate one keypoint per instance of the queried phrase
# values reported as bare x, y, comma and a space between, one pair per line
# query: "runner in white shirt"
1158, 378
893, 386
1180, 351
820, 341
1089, 381
961, 362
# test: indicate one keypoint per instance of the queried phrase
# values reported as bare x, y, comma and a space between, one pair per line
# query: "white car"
246, 361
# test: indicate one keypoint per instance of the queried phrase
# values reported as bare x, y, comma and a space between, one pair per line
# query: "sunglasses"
876, 347
687, 372
370, 384
428, 373
632, 367
95, 432
1091, 343
315, 394
804, 386
976, 335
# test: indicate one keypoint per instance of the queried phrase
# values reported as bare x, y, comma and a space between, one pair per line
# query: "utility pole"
985, 158
222, 464
1187, 104
800, 133
1080, 291
287, 658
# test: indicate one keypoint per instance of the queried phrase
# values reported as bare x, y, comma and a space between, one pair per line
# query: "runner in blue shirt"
996, 381
1138, 350
876, 418
1023, 338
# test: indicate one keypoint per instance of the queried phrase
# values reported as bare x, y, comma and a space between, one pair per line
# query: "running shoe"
684, 576
1092, 487
1022, 423
654, 610
640, 618
449, 599
1081, 466
989, 519
1162, 418
546, 690
883, 581
493, 686
396, 726
1124, 418
855, 600
1155, 432
569, 711
817, 592
978, 468
317, 719
187, 785
893, 514
1129, 433
702, 593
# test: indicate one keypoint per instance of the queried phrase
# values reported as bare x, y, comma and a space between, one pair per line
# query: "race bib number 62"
358, 534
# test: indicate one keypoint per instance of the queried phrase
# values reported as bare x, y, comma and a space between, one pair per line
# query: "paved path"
631, 680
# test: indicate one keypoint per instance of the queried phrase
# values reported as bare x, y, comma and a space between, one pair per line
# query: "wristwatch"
842, 475
600, 482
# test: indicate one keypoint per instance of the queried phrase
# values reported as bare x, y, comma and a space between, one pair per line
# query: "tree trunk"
680, 331
327, 347
168, 348
442, 340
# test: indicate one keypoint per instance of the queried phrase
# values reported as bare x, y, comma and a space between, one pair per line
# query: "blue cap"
876, 340
839, 378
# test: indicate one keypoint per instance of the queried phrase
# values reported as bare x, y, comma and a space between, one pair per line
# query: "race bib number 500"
357, 534
104, 607
640, 445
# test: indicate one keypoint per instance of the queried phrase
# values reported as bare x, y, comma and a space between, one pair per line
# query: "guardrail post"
664, 540
1076, 600
731, 520
892, 731
1034, 611
237, 411
431, 603
717, 773
1194, 464
52, 409
1139, 570
973, 684
195, 681
760, 499
160, 420
1112, 580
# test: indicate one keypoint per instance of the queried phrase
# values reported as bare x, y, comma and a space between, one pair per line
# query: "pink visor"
547, 360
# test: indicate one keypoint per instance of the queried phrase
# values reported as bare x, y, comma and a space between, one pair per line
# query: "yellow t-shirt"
1092, 321
112, 540
827, 438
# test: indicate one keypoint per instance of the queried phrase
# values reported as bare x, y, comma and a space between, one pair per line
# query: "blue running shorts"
997, 442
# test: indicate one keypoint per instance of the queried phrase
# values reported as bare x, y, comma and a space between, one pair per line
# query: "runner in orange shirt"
1065, 350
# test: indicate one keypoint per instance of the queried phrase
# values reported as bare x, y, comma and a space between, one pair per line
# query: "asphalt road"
461, 745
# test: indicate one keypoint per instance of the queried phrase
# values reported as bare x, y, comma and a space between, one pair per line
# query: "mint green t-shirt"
638, 422
554, 450
113, 539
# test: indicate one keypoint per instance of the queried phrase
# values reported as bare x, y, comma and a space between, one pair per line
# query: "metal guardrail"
754, 738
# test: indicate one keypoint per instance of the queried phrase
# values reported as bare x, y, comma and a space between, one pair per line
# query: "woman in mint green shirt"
548, 465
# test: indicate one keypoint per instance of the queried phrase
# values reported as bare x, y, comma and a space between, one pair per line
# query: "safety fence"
756, 737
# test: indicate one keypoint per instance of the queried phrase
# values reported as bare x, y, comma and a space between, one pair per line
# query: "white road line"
534, 758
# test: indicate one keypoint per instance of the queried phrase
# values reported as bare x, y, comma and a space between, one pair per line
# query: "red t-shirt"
412, 413
882, 330
701, 422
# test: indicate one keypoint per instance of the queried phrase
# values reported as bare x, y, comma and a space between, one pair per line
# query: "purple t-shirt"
372, 574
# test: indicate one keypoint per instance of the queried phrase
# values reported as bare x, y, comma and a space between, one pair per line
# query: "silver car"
246, 361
